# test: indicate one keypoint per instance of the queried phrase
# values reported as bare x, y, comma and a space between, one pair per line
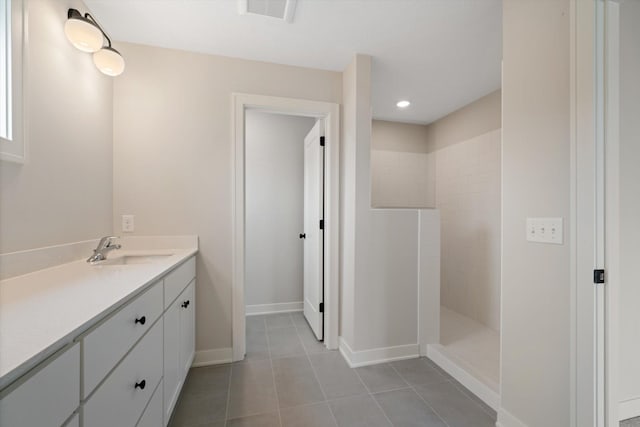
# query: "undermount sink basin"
133, 259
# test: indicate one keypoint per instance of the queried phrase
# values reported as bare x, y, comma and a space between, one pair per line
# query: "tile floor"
289, 379
632, 422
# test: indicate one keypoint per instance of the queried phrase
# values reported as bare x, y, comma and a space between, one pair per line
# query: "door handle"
303, 235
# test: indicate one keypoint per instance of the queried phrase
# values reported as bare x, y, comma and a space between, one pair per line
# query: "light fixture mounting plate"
277, 9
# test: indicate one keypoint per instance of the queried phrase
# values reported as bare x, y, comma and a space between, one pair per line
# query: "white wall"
479, 117
629, 292
274, 165
402, 169
348, 158
63, 193
173, 155
380, 279
468, 197
535, 329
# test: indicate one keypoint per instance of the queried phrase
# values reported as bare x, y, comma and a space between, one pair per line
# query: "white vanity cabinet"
74, 421
48, 397
152, 416
105, 345
119, 370
179, 334
157, 364
122, 398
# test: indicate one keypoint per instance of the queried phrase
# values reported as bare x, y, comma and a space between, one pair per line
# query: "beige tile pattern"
468, 187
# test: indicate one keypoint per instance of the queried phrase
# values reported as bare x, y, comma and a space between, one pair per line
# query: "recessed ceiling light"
403, 104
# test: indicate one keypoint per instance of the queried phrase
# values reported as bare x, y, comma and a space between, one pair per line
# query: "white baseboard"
216, 356
505, 419
485, 392
355, 359
283, 307
629, 408
424, 349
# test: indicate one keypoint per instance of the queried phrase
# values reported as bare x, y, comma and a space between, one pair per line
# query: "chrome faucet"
100, 253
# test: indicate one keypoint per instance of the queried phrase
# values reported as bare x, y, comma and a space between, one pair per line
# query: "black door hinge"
321, 307
322, 224
598, 276
322, 141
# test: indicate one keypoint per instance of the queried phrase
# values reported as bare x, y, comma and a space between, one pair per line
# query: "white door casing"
314, 236
330, 114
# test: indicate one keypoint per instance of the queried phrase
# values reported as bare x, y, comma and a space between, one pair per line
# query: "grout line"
422, 398
483, 406
315, 375
273, 374
369, 392
467, 393
375, 401
226, 411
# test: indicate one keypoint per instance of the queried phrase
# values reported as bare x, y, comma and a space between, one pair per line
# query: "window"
12, 144
5, 71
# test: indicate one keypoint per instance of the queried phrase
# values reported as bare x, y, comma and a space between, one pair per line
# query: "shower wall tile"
468, 181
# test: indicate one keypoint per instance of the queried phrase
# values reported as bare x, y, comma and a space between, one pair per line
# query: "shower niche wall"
454, 165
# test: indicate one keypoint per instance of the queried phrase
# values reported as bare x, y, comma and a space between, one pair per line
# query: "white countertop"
43, 311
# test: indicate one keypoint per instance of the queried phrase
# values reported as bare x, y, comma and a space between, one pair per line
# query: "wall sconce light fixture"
86, 34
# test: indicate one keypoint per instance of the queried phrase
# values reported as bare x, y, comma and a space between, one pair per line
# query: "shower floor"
470, 352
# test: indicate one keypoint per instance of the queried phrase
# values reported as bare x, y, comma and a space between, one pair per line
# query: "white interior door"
313, 230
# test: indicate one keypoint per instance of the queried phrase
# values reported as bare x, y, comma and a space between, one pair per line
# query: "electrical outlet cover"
128, 225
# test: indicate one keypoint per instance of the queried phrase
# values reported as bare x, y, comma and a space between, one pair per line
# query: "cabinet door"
187, 328
172, 371
152, 416
47, 398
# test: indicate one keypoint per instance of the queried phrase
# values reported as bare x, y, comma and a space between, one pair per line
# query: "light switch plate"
545, 230
128, 225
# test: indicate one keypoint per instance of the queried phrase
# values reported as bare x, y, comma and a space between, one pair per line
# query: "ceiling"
439, 54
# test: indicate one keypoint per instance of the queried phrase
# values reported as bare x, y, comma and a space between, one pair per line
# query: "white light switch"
128, 225
545, 230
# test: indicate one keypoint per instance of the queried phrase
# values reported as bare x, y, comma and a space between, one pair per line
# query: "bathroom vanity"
98, 345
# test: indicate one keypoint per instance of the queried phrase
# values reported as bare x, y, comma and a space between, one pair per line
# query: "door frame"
608, 115
587, 380
330, 113
595, 152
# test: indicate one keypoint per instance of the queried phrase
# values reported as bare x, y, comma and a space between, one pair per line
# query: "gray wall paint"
535, 357
629, 351
274, 207
63, 193
173, 155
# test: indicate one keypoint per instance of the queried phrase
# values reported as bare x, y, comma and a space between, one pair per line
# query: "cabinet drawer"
177, 280
48, 398
152, 416
120, 400
109, 342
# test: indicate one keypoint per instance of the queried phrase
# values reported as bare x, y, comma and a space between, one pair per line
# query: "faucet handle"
107, 242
